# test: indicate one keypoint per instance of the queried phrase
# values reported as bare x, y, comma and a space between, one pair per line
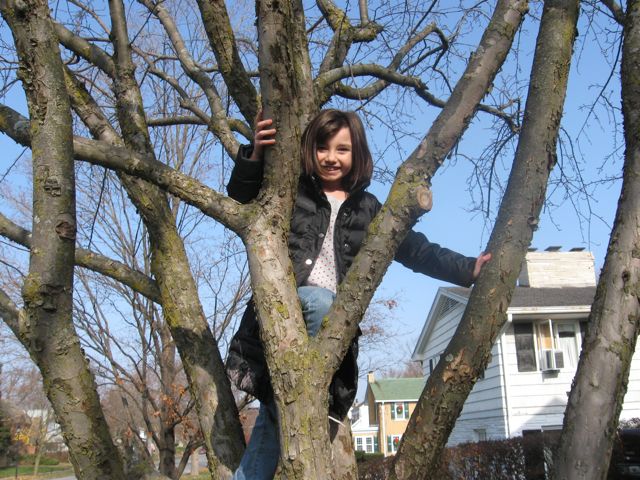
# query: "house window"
481, 434
400, 411
369, 444
546, 345
393, 441
433, 361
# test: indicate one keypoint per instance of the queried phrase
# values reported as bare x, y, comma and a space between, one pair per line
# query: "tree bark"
600, 384
293, 364
210, 387
48, 332
469, 351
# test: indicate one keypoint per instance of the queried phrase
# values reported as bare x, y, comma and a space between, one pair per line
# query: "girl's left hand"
480, 261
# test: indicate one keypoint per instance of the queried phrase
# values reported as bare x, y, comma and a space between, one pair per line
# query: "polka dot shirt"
324, 272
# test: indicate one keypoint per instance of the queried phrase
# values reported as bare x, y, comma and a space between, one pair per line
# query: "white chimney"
553, 268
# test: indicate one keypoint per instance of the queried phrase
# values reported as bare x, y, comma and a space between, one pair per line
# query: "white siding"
484, 409
538, 399
442, 332
631, 406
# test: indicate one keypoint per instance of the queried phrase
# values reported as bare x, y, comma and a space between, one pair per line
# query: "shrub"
8, 447
495, 459
366, 457
520, 458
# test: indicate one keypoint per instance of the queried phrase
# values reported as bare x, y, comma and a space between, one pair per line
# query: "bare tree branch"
616, 10
223, 43
236, 125
218, 121
344, 33
93, 261
218, 206
9, 313
84, 49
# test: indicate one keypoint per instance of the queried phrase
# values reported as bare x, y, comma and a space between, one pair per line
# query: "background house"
384, 415
526, 384
365, 435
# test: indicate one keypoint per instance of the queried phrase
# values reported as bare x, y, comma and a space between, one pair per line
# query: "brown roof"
543, 297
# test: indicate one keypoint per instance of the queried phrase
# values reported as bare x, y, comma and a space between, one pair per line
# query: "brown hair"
324, 126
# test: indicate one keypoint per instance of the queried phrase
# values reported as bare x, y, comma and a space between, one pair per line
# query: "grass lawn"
44, 471
63, 470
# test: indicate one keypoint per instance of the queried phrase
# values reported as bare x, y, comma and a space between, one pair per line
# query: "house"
526, 384
42, 432
365, 435
380, 422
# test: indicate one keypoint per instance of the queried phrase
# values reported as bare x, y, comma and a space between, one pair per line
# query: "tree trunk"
600, 384
342, 452
195, 463
47, 331
294, 365
168, 384
36, 463
469, 351
209, 385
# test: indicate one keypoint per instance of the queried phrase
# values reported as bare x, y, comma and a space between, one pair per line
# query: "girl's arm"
246, 177
420, 255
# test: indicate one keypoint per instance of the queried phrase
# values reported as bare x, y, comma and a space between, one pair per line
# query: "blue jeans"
260, 458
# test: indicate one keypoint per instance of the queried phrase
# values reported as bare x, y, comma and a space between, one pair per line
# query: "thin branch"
9, 312
218, 121
616, 10
387, 76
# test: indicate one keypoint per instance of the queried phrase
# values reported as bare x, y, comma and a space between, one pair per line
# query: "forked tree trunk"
47, 332
293, 363
470, 348
209, 385
600, 384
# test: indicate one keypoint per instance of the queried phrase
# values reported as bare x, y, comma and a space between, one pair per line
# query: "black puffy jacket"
246, 363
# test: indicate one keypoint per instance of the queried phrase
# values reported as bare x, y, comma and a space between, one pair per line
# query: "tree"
5, 437
301, 67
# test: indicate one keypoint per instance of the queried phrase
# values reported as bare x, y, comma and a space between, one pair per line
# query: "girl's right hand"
264, 136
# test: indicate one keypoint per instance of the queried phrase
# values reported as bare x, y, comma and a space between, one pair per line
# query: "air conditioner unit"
552, 360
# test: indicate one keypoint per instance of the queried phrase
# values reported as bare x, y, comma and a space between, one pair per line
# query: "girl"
329, 223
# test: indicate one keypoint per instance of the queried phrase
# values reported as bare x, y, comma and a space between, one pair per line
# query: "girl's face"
333, 160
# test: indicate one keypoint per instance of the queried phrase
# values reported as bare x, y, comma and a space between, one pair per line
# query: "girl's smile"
334, 160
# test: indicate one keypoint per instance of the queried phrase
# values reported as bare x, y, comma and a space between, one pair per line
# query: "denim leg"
260, 458
315, 302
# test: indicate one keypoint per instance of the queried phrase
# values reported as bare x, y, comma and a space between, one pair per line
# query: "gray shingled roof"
543, 297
